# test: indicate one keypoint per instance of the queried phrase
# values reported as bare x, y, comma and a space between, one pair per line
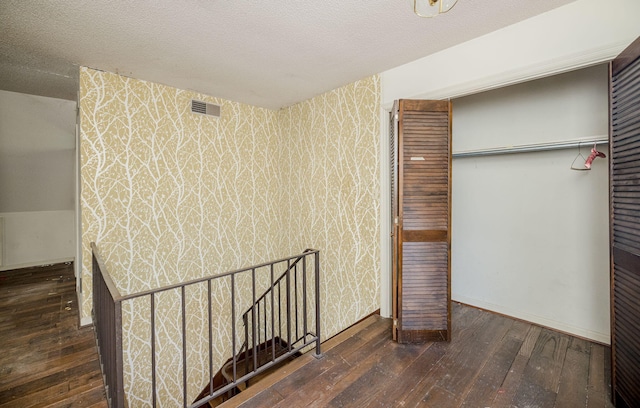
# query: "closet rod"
533, 148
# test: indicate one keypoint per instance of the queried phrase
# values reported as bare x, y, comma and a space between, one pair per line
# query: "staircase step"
264, 355
288, 369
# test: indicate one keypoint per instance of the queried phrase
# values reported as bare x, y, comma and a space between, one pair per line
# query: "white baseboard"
33, 264
603, 338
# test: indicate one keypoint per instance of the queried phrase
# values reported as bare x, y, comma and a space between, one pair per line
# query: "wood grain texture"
422, 207
488, 363
574, 378
628, 56
46, 359
625, 225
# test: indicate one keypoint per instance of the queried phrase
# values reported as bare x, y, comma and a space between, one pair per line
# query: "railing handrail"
113, 289
307, 251
206, 278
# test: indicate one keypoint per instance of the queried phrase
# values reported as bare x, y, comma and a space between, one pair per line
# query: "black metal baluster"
264, 312
273, 335
153, 349
246, 343
304, 296
253, 318
233, 325
257, 306
317, 271
280, 310
184, 348
295, 291
289, 304
210, 337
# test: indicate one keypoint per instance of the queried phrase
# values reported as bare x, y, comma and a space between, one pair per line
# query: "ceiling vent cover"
204, 108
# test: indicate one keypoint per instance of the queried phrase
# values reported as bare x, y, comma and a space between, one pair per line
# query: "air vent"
204, 108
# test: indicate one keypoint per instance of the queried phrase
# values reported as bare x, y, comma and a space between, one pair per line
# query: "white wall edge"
385, 220
86, 321
541, 321
36, 264
78, 211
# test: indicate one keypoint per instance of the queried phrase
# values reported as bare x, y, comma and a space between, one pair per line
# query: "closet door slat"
423, 220
625, 226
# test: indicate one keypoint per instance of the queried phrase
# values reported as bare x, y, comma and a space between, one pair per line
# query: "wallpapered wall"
170, 196
332, 167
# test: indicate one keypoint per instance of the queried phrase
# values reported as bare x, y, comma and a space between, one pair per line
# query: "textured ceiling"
269, 54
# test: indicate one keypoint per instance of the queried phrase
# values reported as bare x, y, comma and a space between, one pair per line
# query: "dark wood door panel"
425, 305
625, 226
626, 306
423, 218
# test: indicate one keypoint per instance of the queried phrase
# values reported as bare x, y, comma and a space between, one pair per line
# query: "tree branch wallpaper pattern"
333, 194
170, 196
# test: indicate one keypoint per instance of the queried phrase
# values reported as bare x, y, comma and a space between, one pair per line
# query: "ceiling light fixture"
431, 8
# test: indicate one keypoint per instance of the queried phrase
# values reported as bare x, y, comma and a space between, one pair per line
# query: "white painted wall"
577, 35
563, 107
37, 150
569, 37
530, 235
38, 238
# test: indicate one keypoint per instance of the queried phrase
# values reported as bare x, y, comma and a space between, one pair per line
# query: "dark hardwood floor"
46, 360
492, 361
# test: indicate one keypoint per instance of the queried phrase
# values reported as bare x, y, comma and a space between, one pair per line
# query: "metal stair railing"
107, 319
293, 283
264, 321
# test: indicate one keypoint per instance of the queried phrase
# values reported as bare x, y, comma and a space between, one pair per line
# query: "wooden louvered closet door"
625, 226
421, 205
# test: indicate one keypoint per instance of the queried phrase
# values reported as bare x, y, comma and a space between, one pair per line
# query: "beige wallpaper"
333, 193
170, 196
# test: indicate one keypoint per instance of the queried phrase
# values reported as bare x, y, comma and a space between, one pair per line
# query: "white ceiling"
265, 53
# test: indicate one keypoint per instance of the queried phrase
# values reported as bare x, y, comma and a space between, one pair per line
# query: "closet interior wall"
529, 235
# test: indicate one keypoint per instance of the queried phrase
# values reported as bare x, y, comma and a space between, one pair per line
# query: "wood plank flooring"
492, 361
46, 360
